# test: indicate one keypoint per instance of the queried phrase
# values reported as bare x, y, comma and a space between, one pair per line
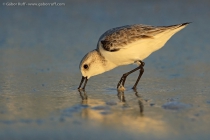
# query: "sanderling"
125, 45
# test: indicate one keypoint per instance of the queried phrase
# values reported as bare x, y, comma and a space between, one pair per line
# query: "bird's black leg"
140, 74
124, 76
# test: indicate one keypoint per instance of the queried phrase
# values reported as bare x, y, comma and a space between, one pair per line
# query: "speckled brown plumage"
117, 38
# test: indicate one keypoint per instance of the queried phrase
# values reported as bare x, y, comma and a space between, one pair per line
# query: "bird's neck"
107, 65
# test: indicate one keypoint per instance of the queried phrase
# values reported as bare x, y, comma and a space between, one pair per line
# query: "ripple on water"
68, 111
101, 108
174, 105
111, 103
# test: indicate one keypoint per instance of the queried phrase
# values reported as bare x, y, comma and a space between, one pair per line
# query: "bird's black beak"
82, 80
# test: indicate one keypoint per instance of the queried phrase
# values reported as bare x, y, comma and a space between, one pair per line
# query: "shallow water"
40, 50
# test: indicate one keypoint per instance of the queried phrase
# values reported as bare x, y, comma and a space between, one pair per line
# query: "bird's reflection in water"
128, 114
121, 97
83, 96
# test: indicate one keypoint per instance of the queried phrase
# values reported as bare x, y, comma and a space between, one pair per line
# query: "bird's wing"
120, 37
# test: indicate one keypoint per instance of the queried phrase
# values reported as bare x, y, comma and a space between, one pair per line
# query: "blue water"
40, 52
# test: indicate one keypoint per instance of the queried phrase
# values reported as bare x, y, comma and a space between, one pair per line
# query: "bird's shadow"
120, 95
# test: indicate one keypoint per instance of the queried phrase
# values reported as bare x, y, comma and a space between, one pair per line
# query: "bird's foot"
121, 88
80, 89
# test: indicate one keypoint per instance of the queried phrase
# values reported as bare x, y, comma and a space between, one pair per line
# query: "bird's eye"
85, 66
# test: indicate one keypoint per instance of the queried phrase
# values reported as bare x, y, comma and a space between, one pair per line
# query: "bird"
123, 46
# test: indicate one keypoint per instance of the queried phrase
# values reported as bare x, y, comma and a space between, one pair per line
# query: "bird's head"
92, 64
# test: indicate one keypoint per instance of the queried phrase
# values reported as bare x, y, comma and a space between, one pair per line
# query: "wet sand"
40, 50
